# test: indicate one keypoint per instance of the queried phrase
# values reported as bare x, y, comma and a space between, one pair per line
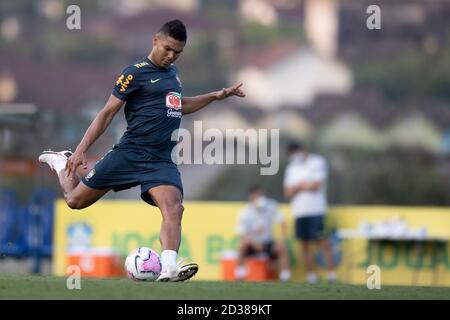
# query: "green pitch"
48, 287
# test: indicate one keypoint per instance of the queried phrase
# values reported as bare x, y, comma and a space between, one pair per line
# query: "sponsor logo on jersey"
124, 82
173, 102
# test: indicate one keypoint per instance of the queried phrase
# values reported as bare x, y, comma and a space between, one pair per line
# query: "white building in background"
8, 88
306, 72
221, 117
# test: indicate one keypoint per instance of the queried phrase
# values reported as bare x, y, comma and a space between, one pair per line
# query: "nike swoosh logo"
156, 80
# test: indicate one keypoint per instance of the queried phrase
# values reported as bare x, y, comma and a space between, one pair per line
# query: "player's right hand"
78, 158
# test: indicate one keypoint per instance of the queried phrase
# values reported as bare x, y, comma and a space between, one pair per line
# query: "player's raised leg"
169, 201
76, 194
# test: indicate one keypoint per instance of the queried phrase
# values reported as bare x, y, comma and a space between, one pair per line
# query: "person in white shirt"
305, 184
255, 229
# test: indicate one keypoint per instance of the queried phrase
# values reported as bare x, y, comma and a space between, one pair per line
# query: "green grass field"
48, 287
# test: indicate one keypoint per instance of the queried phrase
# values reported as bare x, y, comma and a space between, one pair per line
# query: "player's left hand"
228, 92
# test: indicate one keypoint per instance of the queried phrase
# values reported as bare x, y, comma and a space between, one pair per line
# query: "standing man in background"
305, 184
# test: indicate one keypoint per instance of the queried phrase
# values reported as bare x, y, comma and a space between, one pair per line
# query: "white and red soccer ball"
143, 264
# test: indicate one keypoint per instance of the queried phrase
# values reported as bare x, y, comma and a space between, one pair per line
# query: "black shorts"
122, 169
268, 249
309, 228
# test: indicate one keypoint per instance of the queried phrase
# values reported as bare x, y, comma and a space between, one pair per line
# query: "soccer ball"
143, 264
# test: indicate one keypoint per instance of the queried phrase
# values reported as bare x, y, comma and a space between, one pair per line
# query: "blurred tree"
408, 76
63, 47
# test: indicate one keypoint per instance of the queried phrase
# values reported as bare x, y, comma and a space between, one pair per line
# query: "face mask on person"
260, 202
298, 156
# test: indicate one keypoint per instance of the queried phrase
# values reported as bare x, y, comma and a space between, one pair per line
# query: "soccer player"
151, 92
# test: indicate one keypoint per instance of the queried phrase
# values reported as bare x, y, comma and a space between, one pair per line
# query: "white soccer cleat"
178, 273
56, 160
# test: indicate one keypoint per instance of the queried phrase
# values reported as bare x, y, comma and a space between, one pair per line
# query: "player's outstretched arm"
193, 104
95, 130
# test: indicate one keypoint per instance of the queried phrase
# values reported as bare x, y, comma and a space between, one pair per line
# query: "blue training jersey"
153, 108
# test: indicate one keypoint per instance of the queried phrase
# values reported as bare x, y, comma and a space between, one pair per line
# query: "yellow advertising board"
209, 231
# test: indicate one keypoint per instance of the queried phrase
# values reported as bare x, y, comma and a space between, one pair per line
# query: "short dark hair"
175, 29
295, 146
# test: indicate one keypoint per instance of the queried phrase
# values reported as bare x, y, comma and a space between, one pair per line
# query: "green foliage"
394, 177
201, 68
234, 183
219, 10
